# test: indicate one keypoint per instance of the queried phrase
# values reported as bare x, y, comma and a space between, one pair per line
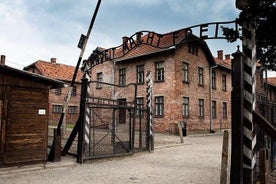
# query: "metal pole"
150, 112
249, 85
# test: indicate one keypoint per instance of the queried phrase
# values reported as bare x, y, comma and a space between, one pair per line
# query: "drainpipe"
113, 79
211, 98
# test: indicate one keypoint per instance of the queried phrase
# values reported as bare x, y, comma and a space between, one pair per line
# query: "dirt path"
194, 162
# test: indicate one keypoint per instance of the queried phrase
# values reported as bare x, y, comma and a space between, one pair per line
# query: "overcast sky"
32, 30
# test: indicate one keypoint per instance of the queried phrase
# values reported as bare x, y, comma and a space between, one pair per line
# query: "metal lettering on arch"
213, 30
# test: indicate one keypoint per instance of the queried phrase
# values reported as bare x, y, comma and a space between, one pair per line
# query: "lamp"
243, 4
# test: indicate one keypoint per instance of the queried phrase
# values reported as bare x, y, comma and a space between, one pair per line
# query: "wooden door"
122, 111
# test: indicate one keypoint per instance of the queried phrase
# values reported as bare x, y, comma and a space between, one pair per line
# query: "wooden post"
236, 173
180, 132
80, 149
224, 158
264, 166
55, 153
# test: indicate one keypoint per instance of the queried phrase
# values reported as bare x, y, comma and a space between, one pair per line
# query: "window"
193, 49
224, 110
58, 91
186, 106
122, 76
74, 91
140, 106
185, 72
159, 106
159, 71
72, 109
224, 87
200, 76
201, 108
214, 109
214, 86
99, 79
140, 74
57, 109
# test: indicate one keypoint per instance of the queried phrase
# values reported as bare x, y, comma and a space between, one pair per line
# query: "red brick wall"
173, 89
59, 100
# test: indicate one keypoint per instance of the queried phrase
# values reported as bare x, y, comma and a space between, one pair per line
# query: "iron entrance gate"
114, 126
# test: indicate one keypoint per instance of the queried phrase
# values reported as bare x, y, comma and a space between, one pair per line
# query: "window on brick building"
214, 109
193, 49
214, 85
159, 106
99, 79
185, 72
159, 71
140, 74
200, 76
224, 110
201, 108
57, 109
122, 77
224, 85
72, 109
58, 91
186, 106
140, 106
74, 91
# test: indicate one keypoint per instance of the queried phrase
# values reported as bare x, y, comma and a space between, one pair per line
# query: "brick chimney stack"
3, 59
54, 60
227, 56
220, 54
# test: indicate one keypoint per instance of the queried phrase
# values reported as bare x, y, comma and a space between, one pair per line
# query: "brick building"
190, 85
62, 72
266, 95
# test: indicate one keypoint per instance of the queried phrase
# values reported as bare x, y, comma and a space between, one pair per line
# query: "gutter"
211, 98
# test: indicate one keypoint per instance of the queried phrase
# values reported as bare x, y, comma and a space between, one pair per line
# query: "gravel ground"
196, 161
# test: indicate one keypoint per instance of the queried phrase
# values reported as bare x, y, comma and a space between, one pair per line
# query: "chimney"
54, 60
220, 54
227, 57
3, 59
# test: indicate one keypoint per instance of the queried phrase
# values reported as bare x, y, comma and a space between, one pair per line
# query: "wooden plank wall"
26, 131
